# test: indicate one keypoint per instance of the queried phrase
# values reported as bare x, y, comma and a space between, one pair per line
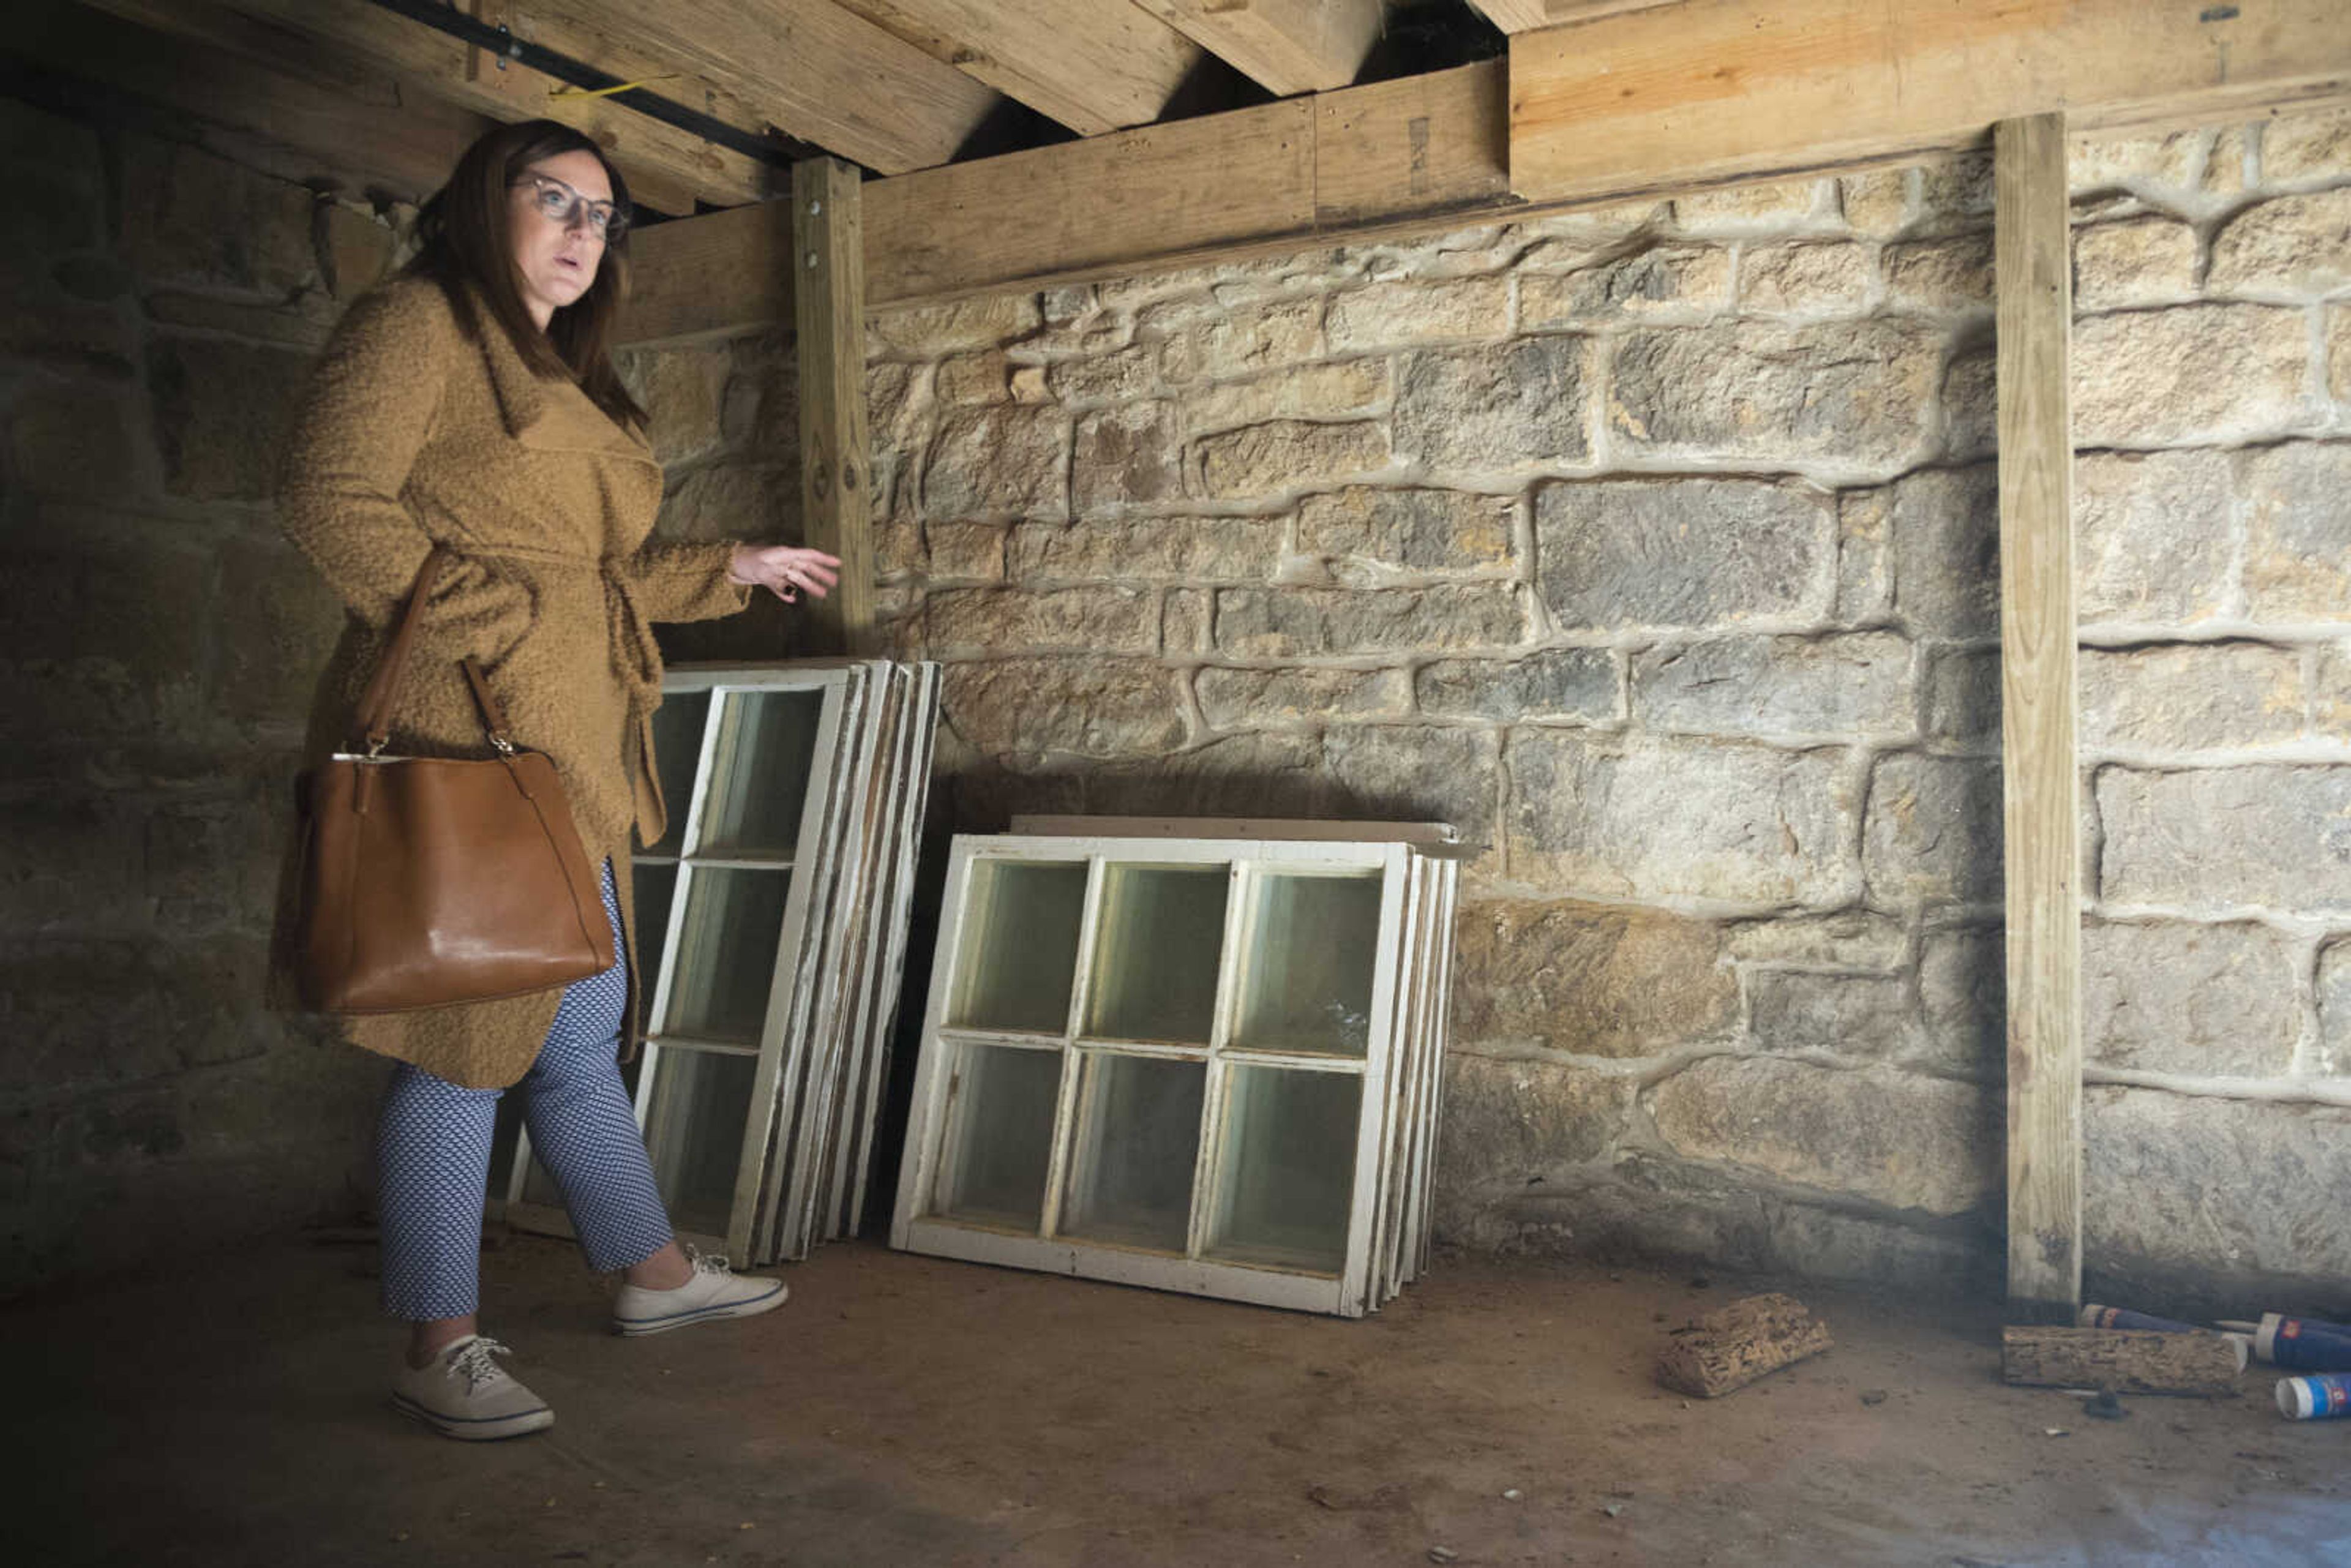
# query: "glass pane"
678, 748
726, 954
999, 1136
1131, 1173
694, 1130
1287, 1168
1019, 946
1309, 982
767, 746
655, 886
1155, 969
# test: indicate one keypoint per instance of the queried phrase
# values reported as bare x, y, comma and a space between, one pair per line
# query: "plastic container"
2304, 1344
2322, 1396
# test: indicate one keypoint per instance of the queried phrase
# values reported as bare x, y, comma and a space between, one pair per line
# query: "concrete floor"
904, 1410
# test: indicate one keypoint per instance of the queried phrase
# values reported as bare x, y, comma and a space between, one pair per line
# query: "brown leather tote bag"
428, 882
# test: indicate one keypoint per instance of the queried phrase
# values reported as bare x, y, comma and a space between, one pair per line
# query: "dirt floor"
905, 1410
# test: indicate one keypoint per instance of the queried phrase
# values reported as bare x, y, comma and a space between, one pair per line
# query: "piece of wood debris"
2125, 1361
1731, 1348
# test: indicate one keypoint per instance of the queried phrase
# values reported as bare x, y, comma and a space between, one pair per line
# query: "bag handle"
376, 704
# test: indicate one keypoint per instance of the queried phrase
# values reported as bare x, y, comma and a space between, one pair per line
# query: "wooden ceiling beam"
1287, 47
1722, 90
812, 69
668, 169
1094, 67
1527, 16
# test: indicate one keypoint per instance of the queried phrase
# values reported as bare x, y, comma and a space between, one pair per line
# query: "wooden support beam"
1526, 15
1722, 90
836, 471
1091, 67
1285, 46
2033, 279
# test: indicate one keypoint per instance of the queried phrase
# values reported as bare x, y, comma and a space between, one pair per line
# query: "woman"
471, 402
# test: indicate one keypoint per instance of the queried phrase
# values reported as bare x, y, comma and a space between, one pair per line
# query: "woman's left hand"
785, 571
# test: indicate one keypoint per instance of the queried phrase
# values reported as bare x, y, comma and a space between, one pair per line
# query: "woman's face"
551, 213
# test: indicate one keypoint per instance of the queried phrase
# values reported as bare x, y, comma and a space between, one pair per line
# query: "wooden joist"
1285, 46
2033, 278
836, 475
1720, 90
1091, 67
1526, 15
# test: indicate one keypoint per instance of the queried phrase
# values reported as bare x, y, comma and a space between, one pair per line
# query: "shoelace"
706, 1262
475, 1364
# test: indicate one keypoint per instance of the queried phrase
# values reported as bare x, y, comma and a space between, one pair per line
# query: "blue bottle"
2305, 1344
2321, 1396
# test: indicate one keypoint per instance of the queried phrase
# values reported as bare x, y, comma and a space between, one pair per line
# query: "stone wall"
1656, 548
158, 308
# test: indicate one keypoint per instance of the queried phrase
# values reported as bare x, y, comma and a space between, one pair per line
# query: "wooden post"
836, 467
2034, 281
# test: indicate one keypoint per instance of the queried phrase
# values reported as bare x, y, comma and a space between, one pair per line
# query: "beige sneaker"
465, 1394
716, 1291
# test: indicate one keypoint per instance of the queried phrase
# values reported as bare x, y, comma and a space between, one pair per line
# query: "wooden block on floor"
1730, 1349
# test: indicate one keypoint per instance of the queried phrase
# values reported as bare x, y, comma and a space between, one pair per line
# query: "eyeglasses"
561, 204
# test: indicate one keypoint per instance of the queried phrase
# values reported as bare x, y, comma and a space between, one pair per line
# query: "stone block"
1126, 456
2337, 368
2166, 161
2177, 1183
94, 1012
1933, 832
683, 390
1875, 204
1246, 699
1650, 818
86, 651
968, 552
1266, 460
1413, 773
1010, 459
762, 404
222, 412
2227, 838
282, 624
2151, 536
1186, 620
1376, 533
74, 861
1945, 528
2136, 261
1149, 549
2306, 145
1853, 393
1576, 686
1955, 193
2197, 372
1953, 273
1864, 590
2332, 1058
355, 248
1589, 980
1858, 684
925, 331
1963, 699
1664, 282
1284, 333
56, 185
72, 440
1598, 228
2291, 247
303, 322
1303, 392
1896, 1138
1682, 554
1404, 312
976, 622
2298, 526
1511, 1122
213, 848
1970, 406
1833, 277
1306, 623
1799, 1010
2202, 1001
1090, 707
1498, 408
190, 217
1963, 994
1260, 774
1852, 939
1759, 205
1123, 376
732, 501
975, 376
2191, 696
2330, 693
70, 335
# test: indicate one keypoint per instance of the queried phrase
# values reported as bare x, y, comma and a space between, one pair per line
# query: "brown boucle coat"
414, 434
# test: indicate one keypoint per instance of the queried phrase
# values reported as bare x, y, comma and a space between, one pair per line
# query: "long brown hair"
462, 245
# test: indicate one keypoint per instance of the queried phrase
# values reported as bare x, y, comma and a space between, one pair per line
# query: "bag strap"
376, 704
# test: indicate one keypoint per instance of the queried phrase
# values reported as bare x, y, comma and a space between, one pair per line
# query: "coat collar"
546, 413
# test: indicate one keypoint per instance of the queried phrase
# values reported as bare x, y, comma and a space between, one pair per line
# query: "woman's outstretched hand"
785, 571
